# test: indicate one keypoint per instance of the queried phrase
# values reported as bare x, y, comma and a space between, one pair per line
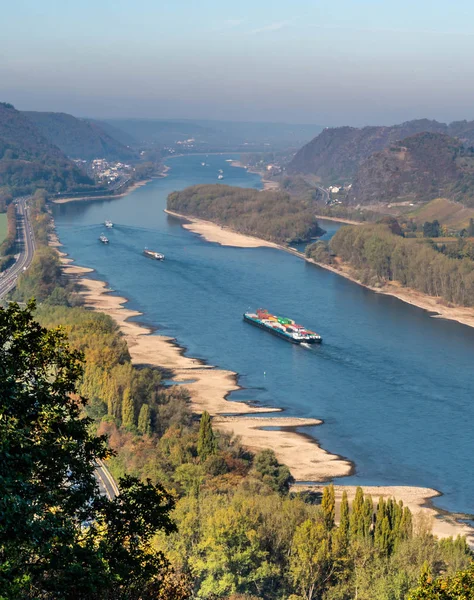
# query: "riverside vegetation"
198, 515
270, 215
378, 255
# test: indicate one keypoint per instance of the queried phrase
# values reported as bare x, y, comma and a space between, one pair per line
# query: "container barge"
285, 328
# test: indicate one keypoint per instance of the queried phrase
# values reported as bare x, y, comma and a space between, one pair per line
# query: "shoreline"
268, 184
134, 186
225, 236
211, 386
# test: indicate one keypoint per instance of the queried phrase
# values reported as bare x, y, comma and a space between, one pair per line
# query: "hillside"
270, 215
336, 153
28, 160
422, 167
79, 138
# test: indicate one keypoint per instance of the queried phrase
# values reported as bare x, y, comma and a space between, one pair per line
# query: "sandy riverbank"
432, 304
209, 390
338, 220
221, 235
227, 237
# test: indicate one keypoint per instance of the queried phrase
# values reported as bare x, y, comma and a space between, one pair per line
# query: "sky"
327, 62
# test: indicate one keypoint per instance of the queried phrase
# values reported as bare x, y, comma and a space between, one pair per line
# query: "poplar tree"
357, 514
328, 506
128, 410
207, 443
344, 524
144, 420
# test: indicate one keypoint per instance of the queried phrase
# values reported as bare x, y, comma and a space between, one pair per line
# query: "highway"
107, 485
8, 279
26, 243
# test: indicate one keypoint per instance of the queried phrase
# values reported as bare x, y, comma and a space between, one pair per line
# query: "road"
107, 485
324, 193
26, 242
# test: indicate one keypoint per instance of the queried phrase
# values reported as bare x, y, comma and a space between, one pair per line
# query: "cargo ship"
154, 255
285, 328
103, 239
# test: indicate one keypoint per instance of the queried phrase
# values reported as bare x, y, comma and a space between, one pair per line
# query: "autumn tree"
59, 538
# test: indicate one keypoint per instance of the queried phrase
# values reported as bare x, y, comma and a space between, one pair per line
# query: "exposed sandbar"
224, 236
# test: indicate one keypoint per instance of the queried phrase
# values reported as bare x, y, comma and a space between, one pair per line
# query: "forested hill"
28, 160
422, 167
80, 138
336, 153
270, 215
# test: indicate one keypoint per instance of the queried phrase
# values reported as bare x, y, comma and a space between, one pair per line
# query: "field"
451, 214
3, 226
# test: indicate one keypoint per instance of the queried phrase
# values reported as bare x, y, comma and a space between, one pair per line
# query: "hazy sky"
328, 62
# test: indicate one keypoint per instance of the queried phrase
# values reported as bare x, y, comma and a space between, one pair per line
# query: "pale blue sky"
328, 62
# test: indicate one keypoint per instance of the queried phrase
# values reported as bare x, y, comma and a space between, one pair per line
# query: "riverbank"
211, 386
338, 220
137, 184
212, 232
224, 236
268, 184
432, 304
209, 391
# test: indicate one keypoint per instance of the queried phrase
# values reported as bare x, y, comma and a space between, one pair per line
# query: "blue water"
394, 386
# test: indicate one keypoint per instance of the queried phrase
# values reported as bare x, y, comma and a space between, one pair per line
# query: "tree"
310, 563
459, 586
59, 538
128, 410
328, 506
144, 420
275, 475
207, 443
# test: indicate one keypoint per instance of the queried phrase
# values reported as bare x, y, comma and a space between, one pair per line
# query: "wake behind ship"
285, 328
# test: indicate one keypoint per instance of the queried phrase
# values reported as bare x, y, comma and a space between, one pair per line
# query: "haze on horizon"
324, 62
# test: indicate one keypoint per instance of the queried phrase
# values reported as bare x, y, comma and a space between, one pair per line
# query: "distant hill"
424, 166
28, 160
336, 153
79, 138
215, 136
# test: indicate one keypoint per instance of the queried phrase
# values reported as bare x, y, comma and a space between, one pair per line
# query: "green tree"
49, 493
328, 506
207, 443
144, 420
128, 410
271, 472
459, 586
310, 562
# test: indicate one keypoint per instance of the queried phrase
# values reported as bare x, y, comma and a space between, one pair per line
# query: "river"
393, 386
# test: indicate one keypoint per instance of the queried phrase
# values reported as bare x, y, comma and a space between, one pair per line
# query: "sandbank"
224, 236
209, 390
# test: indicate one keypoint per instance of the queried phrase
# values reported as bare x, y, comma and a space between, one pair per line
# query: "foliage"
79, 138
379, 256
28, 161
207, 444
271, 215
459, 586
58, 537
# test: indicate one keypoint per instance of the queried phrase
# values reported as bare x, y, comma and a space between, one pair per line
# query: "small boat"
108, 224
203, 164
103, 239
220, 176
221, 171
154, 255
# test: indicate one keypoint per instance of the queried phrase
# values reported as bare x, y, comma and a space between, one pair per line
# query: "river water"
393, 386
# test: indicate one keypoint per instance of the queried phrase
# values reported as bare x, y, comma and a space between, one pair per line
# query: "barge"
282, 327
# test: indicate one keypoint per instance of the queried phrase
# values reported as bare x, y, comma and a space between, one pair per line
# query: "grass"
451, 214
3, 226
